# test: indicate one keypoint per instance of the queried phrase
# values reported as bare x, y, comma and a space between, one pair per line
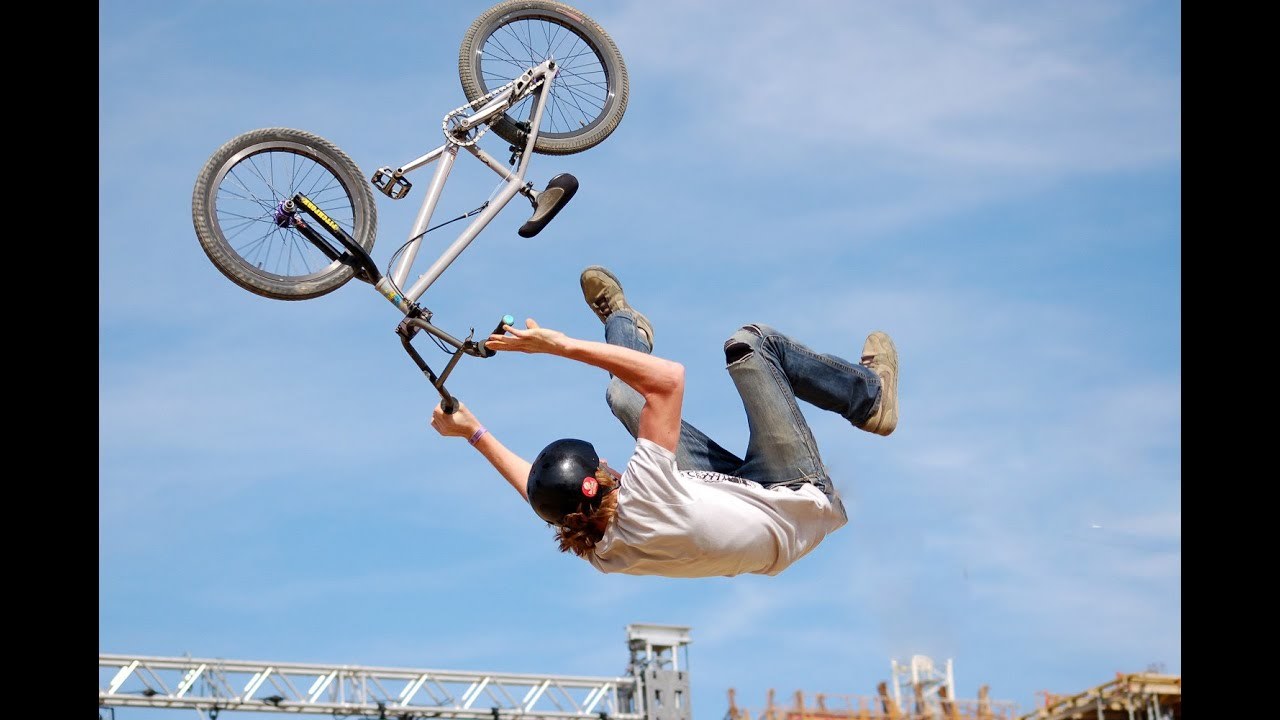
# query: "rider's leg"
695, 450
770, 371
627, 327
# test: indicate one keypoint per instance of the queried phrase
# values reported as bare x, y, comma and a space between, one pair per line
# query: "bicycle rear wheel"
234, 209
589, 94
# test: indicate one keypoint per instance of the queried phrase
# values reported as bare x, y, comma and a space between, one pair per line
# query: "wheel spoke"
265, 204
514, 37
255, 248
306, 177
306, 264
253, 165
224, 193
576, 95
573, 97
562, 34
528, 31
237, 229
507, 57
259, 218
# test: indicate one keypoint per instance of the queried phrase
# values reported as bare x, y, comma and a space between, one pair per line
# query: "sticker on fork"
319, 213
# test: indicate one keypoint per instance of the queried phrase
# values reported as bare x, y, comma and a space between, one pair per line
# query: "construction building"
919, 690
1137, 696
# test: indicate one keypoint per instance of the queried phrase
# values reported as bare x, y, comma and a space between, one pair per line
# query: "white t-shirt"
701, 524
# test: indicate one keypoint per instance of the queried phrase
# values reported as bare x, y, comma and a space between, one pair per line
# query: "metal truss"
211, 686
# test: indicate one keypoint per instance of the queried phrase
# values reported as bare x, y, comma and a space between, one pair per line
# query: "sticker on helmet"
589, 486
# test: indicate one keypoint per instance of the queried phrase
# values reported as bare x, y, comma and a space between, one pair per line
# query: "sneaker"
879, 354
603, 293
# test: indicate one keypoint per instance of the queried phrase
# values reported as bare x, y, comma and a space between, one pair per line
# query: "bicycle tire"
235, 226
576, 84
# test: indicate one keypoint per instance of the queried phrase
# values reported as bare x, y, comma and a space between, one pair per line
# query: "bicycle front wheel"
589, 93
236, 208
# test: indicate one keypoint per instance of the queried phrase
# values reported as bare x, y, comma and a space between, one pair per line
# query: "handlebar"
484, 350
411, 325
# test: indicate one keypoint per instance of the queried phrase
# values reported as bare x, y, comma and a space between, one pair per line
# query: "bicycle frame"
539, 77
534, 80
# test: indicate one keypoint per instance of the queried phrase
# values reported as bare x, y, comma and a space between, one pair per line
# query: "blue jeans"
770, 371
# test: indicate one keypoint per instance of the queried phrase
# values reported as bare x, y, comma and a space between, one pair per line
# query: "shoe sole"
583, 284
883, 347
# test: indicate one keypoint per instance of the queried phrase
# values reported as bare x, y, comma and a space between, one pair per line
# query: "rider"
685, 506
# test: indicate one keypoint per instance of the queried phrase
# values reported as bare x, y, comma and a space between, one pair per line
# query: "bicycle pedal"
391, 183
560, 190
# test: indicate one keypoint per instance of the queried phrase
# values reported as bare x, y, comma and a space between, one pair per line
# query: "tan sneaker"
603, 293
879, 354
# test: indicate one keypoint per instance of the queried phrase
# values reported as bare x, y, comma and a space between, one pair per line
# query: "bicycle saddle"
560, 189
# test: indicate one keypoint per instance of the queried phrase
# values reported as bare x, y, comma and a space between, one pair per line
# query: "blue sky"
996, 184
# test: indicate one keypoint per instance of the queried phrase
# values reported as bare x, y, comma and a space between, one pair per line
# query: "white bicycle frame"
537, 79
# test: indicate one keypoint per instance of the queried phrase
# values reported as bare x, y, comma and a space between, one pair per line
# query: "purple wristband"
475, 438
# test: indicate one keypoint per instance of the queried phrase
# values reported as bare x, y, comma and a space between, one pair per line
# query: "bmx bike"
286, 214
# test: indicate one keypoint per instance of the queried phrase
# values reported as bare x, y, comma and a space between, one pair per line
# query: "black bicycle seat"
560, 189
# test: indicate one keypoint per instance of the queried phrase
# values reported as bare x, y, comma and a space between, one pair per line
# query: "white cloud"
994, 89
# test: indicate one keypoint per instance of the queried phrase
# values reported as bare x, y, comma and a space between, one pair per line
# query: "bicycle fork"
416, 317
411, 325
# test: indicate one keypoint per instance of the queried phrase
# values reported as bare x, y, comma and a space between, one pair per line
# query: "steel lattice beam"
207, 684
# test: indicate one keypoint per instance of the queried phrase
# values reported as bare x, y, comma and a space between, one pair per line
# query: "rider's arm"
463, 424
659, 381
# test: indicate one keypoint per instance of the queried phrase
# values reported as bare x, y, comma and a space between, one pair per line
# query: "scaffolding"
656, 662
654, 689
1135, 696
920, 691
928, 685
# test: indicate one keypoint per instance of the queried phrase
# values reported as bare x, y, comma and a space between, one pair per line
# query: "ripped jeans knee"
746, 341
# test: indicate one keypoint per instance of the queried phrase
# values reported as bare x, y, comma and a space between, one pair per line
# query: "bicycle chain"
481, 101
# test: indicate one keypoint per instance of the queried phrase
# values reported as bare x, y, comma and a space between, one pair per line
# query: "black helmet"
562, 477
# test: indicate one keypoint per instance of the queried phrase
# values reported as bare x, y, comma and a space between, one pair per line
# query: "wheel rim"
582, 91
245, 196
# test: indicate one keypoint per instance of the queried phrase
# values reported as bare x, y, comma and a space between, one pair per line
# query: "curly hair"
579, 531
